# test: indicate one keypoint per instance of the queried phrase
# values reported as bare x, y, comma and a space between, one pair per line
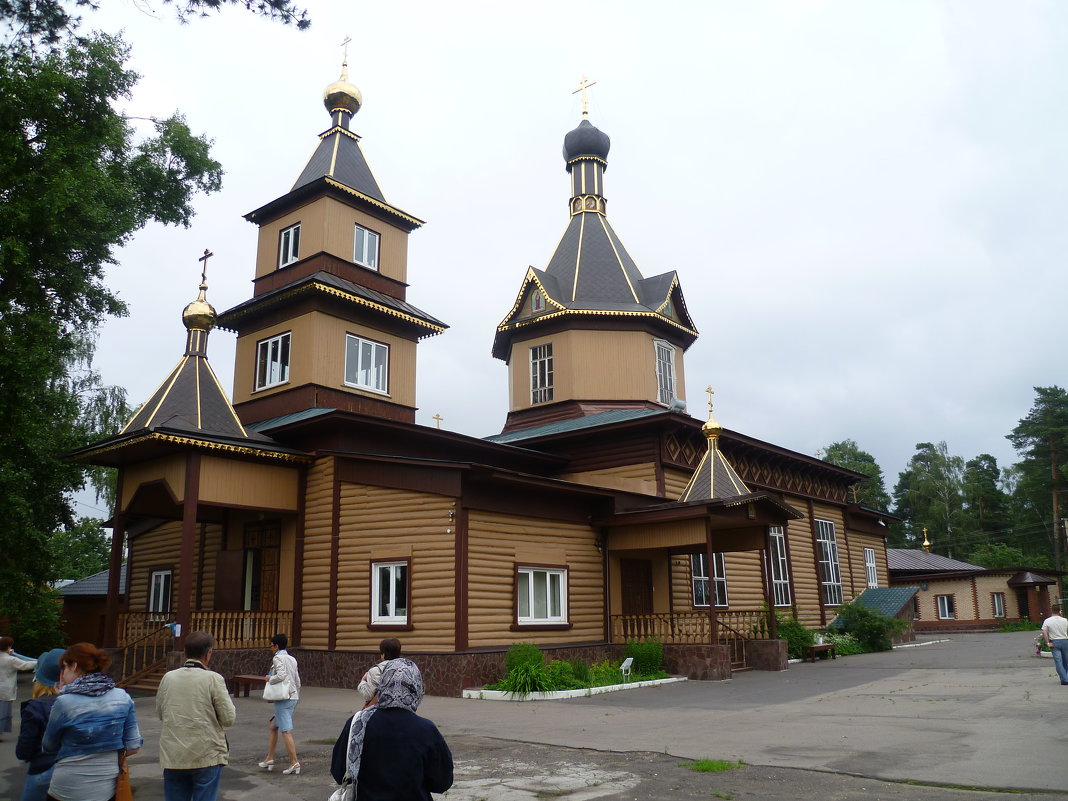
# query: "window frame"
393, 621
361, 258
871, 568
830, 571
152, 598
549, 622
384, 390
290, 235
719, 578
541, 373
666, 374
779, 562
951, 607
260, 374
997, 604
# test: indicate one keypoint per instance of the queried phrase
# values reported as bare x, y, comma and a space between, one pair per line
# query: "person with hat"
46, 685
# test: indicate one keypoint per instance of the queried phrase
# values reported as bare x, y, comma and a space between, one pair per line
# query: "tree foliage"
999, 554
79, 550
75, 183
846, 453
47, 20
929, 494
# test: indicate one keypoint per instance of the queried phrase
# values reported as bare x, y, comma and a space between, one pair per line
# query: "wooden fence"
230, 629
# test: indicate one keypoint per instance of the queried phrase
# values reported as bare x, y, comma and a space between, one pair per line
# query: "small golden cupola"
714, 478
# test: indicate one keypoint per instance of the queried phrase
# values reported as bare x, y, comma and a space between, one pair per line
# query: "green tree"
998, 554
79, 550
1042, 439
75, 185
846, 453
930, 494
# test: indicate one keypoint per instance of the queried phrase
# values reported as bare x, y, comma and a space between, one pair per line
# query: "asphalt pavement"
967, 718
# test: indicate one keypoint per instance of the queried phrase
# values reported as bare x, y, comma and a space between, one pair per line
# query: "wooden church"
313, 504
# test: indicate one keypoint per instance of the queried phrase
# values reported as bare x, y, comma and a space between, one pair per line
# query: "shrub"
526, 678
844, 644
1020, 625
603, 674
870, 628
562, 676
648, 656
581, 671
523, 653
796, 636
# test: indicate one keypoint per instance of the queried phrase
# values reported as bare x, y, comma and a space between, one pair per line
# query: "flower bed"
482, 694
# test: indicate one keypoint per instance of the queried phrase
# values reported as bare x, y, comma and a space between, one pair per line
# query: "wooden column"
189, 537
298, 557
458, 523
713, 617
118, 536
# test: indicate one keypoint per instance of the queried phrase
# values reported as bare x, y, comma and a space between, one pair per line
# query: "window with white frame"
541, 373
541, 595
998, 601
389, 593
946, 610
365, 250
699, 574
272, 361
780, 566
366, 364
159, 591
289, 245
870, 569
665, 371
830, 573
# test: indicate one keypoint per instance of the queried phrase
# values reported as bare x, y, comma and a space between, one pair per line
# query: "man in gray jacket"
195, 707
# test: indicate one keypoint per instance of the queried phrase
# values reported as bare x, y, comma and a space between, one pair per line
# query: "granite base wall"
700, 662
443, 674
767, 654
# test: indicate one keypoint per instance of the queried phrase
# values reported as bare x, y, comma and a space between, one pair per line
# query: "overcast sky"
865, 201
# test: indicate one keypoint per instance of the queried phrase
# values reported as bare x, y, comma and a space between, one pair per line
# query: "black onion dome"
586, 140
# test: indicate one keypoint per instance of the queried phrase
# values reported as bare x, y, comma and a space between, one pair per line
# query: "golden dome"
341, 94
199, 314
711, 428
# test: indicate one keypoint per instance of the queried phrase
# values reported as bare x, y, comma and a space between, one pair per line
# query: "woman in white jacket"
283, 669
10, 665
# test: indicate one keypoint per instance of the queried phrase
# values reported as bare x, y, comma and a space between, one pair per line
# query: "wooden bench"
809, 652
246, 681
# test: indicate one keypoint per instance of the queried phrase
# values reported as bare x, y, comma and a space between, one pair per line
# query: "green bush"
36, 626
870, 628
1020, 625
796, 636
526, 678
523, 653
581, 671
562, 675
648, 656
603, 674
844, 644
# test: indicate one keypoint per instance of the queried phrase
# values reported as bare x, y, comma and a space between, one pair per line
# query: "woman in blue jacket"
46, 687
91, 721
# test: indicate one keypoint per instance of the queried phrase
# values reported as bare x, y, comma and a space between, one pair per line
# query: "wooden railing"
144, 653
242, 629
230, 629
690, 627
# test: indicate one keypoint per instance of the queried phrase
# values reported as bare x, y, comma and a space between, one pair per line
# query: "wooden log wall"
497, 542
639, 477
383, 524
675, 481
318, 527
161, 549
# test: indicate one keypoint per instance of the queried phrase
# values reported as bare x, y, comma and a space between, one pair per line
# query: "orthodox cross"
345, 52
204, 270
437, 418
584, 84
708, 389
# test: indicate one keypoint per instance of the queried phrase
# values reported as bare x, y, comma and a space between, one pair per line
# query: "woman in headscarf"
46, 686
388, 752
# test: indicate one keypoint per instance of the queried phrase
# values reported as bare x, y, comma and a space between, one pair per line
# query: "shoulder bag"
278, 691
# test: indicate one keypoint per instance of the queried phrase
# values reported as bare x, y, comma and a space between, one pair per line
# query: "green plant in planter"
796, 636
526, 678
523, 653
648, 656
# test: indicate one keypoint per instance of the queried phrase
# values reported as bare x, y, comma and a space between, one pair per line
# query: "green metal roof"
575, 424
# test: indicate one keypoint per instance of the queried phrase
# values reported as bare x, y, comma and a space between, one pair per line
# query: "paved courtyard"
976, 711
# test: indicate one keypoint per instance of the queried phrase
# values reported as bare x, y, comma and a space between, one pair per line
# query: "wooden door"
636, 585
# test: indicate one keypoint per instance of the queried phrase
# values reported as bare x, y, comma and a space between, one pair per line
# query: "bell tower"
328, 325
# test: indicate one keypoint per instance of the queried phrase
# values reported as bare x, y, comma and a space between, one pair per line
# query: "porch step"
146, 683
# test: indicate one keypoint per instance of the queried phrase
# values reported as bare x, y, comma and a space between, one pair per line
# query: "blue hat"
48, 667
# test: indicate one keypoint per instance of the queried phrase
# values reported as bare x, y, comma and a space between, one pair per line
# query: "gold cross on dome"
437, 418
708, 389
204, 270
345, 51
584, 84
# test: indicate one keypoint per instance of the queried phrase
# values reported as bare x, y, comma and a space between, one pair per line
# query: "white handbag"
276, 691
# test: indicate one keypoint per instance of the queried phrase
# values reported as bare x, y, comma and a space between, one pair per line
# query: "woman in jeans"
35, 712
283, 669
91, 721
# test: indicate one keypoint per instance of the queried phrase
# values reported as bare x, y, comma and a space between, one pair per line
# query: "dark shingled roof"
96, 584
919, 561
339, 156
888, 601
575, 424
714, 478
